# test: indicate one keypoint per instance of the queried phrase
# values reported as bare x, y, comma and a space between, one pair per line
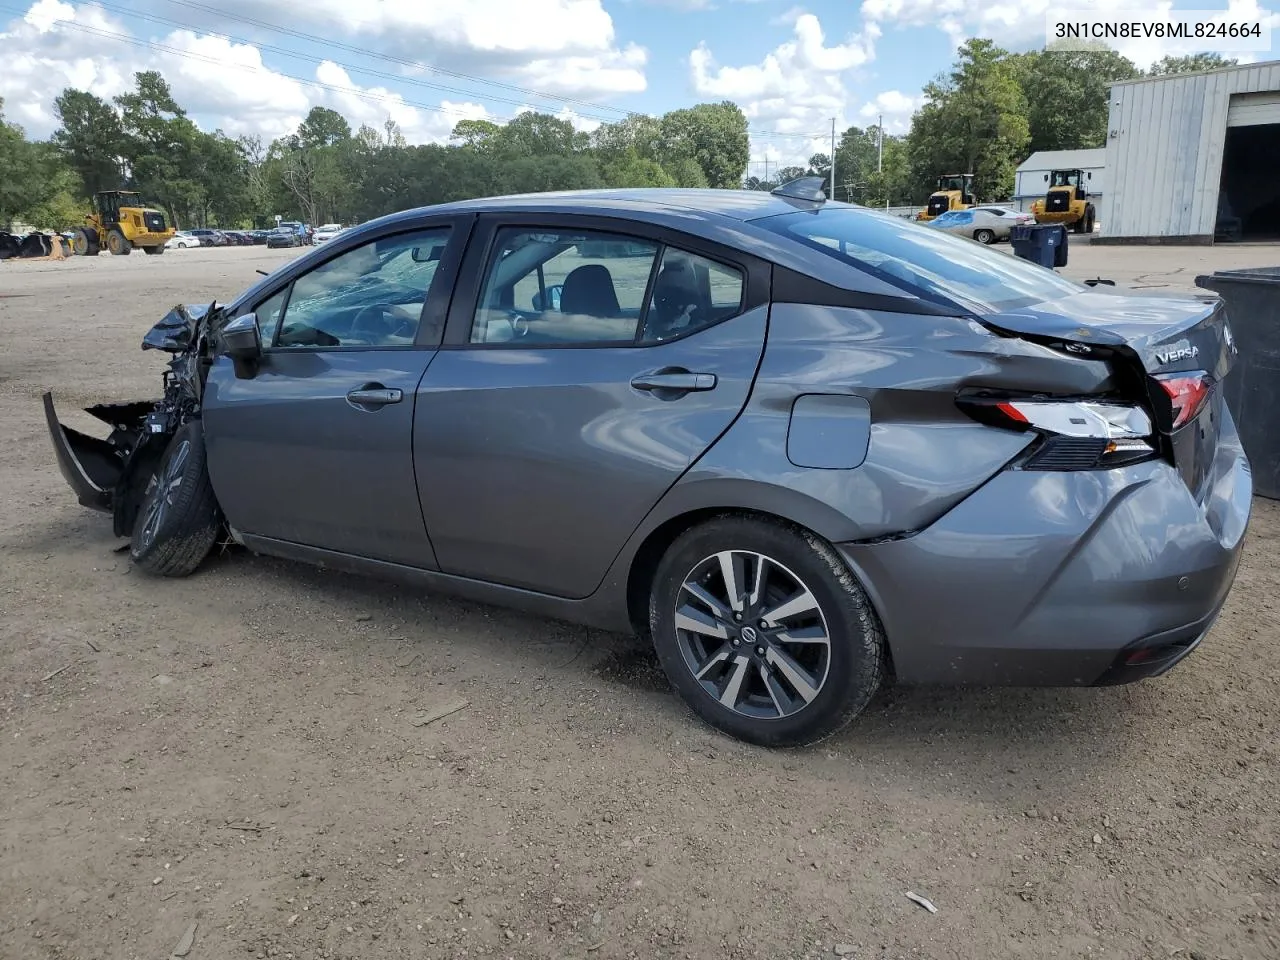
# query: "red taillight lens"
1187, 393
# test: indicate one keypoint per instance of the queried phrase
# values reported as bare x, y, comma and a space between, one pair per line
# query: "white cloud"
224, 84
793, 91
894, 106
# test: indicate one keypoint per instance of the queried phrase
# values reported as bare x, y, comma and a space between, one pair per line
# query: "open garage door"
1249, 195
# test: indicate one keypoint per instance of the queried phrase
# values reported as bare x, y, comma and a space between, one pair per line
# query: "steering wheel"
377, 322
518, 322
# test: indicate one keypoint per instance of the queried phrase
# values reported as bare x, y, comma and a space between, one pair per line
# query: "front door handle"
374, 395
681, 381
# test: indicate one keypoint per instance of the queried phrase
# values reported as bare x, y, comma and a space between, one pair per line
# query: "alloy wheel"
160, 501
753, 634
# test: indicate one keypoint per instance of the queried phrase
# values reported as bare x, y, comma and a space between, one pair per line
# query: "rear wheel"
118, 245
154, 251
764, 631
178, 520
985, 236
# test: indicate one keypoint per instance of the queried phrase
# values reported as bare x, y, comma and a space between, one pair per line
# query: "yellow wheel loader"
1067, 201
120, 222
955, 192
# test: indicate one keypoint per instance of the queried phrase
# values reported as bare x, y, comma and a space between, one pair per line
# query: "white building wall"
1165, 140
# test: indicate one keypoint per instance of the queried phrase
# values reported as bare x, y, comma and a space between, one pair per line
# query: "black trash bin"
1042, 243
1252, 388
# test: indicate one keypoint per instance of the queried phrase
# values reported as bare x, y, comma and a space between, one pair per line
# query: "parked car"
183, 239
283, 237
986, 224
303, 231
829, 446
326, 232
210, 238
259, 236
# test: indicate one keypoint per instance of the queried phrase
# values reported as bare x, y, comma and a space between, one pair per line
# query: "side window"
268, 313
558, 286
371, 296
690, 293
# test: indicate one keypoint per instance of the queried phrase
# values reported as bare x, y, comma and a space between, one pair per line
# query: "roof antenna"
803, 188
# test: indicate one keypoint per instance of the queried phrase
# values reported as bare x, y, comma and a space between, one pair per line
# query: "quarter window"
370, 296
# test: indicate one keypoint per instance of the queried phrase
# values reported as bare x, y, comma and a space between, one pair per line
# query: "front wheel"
85, 243
987, 237
179, 519
764, 631
154, 251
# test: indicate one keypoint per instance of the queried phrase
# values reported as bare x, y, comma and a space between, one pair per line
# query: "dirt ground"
237, 750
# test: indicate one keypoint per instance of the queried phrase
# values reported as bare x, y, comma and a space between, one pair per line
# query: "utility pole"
833, 158
880, 158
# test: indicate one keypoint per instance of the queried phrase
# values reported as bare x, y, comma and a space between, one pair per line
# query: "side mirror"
242, 342
549, 301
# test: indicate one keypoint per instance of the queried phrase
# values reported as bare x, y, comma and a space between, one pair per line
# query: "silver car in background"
986, 224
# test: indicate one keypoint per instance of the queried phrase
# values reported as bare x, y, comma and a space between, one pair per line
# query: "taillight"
1077, 434
1187, 394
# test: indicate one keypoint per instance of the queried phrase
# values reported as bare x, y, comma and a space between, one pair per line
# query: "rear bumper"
1063, 579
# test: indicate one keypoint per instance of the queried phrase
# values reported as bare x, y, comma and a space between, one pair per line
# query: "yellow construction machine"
120, 222
1067, 201
955, 192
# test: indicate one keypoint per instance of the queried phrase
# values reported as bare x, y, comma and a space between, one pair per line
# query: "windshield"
1065, 178
923, 260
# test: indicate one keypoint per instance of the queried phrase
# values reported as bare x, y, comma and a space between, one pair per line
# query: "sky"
258, 66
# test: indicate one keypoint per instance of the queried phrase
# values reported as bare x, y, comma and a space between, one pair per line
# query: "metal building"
1194, 156
1031, 181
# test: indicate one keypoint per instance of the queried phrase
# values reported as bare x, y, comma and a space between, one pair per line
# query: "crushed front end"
111, 475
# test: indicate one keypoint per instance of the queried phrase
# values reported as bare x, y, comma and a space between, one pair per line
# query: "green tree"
91, 138
974, 121
633, 170
712, 135
1193, 63
638, 134
1066, 93
323, 128
478, 134
536, 135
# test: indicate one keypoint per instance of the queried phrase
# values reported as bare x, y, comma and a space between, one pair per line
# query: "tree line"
986, 115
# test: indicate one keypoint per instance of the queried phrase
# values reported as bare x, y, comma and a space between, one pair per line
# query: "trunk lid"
1161, 344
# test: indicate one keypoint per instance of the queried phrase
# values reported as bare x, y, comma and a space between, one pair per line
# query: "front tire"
85, 243
178, 520
764, 631
985, 237
154, 251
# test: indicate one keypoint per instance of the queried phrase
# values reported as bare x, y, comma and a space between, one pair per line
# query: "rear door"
315, 447
587, 363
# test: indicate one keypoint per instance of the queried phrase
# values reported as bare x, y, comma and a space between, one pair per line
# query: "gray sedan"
803, 446
986, 224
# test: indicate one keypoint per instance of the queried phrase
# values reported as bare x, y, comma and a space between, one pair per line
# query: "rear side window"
923, 260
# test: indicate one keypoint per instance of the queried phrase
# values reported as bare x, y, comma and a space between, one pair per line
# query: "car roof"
741, 205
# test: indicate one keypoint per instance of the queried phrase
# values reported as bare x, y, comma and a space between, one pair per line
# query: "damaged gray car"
805, 447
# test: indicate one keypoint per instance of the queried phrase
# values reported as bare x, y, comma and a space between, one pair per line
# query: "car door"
314, 447
587, 363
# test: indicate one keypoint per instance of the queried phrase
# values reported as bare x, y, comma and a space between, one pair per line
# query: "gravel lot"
237, 750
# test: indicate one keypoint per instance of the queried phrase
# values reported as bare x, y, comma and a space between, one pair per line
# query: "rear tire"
154, 251
118, 245
800, 660
178, 519
986, 237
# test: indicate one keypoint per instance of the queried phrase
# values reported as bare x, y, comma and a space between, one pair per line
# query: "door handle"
681, 381
375, 395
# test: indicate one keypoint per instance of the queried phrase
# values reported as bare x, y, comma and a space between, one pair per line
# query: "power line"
189, 55
415, 64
